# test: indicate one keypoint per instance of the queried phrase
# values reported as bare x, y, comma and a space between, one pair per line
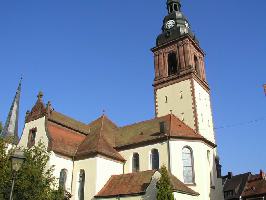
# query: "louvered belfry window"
188, 171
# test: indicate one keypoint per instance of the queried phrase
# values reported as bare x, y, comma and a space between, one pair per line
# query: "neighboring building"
245, 186
101, 160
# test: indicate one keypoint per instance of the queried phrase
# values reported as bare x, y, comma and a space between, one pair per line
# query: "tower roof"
11, 125
175, 24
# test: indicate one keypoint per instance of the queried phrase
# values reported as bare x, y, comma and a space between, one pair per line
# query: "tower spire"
11, 125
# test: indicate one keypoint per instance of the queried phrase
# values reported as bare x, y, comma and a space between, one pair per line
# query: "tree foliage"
34, 181
165, 189
1, 127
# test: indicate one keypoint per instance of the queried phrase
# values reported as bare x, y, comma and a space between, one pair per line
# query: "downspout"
72, 175
168, 144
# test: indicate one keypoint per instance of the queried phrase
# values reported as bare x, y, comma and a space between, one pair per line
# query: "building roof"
102, 136
136, 184
148, 131
63, 140
236, 184
256, 186
96, 143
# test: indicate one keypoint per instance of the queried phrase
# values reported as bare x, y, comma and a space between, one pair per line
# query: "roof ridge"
64, 115
144, 121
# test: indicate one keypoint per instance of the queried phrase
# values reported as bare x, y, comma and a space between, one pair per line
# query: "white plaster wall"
122, 198
61, 162
41, 134
204, 112
98, 170
180, 101
144, 156
180, 196
90, 168
105, 169
202, 167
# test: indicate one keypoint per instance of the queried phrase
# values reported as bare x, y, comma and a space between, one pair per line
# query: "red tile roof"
96, 143
63, 140
136, 184
102, 136
256, 186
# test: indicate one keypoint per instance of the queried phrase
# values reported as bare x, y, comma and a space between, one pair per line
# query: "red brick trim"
194, 105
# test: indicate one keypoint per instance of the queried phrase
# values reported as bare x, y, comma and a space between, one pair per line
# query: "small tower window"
135, 162
172, 64
175, 7
162, 127
197, 67
170, 8
166, 99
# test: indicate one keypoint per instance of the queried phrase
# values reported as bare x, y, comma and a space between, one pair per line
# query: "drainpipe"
72, 176
168, 145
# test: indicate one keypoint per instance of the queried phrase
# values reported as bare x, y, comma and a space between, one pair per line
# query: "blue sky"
89, 56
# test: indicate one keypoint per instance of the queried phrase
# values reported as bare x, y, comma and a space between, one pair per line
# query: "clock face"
170, 24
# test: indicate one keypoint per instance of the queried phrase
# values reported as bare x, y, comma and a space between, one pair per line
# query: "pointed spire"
11, 125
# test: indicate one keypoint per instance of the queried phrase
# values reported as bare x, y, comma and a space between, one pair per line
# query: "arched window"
175, 7
62, 179
154, 159
135, 162
197, 67
81, 184
172, 64
188, 170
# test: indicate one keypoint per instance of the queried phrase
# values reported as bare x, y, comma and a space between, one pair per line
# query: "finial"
103, 112
40, 95
171, 112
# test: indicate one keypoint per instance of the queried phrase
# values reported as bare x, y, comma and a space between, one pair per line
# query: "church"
101, 160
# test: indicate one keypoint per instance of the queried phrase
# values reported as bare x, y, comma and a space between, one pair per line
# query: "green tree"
165, 189
34, 181
1, 127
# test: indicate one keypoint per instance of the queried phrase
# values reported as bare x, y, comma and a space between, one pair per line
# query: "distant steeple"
11, 125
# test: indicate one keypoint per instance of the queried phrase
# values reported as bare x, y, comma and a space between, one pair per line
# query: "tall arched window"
209, 161
155, 159
63, 178
135, 162
172, 64
81, 184
188, 170
197, 67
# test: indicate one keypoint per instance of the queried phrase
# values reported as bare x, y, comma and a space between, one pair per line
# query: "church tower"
180, 85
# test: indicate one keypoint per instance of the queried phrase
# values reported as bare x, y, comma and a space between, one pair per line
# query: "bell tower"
180, 84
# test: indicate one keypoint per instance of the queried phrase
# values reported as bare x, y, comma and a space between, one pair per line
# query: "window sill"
190, 184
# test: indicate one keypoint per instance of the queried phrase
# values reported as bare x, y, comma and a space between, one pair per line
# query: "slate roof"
136, 184
236, 184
